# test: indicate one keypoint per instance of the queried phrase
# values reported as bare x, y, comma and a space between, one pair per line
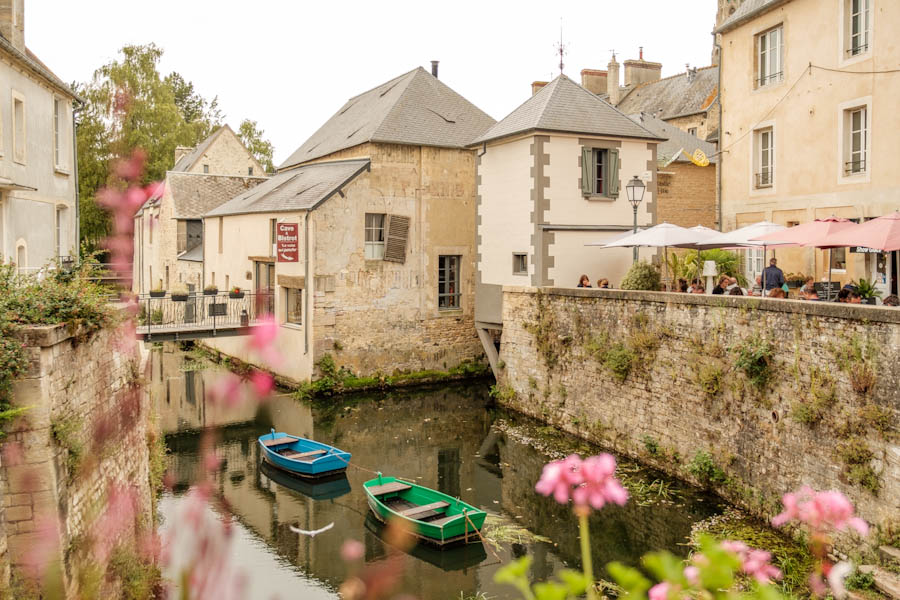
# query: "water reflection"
441, 438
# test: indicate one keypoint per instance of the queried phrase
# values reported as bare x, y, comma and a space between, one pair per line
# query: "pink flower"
692, 574
754, 563
589, 482
263, 383
227, 389
660, 591
821, 511
262, 339
352, 550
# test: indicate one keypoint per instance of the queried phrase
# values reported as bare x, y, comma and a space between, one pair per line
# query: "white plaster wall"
574, 259
505, 211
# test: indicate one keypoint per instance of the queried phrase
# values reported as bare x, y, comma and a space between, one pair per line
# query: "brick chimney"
612, 81
594, 81
641, 71
12, 23
535, 85
180, 151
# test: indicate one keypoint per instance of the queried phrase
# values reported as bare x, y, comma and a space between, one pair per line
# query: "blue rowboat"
306, 458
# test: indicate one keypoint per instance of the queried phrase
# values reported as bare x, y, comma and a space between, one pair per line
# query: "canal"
449, 438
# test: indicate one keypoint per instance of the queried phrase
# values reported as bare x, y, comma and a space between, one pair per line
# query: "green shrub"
860, 581
139, 579
66, 433
704, 468
755, 357
642, 276
857, 458
619, 360
709, 378
651, 445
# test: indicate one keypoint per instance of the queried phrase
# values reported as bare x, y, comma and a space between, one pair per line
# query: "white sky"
291, 64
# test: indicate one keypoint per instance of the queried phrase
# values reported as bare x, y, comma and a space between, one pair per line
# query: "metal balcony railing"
765, 179
853, 167
769, 79
199, 311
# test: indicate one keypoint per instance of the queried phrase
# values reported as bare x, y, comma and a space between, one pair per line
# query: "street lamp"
635, 191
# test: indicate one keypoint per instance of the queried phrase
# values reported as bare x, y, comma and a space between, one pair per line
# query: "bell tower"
725, 9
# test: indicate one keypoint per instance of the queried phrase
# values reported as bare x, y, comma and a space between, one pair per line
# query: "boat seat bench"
278, 441
296, 455
440, 522
388, 488
421, 511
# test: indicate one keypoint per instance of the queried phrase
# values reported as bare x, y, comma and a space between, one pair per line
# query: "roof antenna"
561, 48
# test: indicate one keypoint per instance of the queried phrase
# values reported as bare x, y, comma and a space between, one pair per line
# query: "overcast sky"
291, 64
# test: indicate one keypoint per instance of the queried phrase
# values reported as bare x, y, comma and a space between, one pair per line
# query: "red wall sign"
287, 242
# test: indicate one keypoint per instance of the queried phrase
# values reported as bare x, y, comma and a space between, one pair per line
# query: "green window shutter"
612, 173
587, 179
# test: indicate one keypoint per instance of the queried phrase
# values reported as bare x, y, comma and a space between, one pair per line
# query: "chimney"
612, 80
641, 71
536, 86
594, 81
434, 65
180, 151
12, 23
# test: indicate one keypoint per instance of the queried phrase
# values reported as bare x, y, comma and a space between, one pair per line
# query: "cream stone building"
551, 178
809, 92
380, 202
38, 175
168, 229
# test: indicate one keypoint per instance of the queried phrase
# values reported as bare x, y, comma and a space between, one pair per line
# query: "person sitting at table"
584, 281
756, 290
603, 283
698, 289
683, 286
843, 296
809, 294
736, 291
724, 281
891, 300
809, 286
776, 293
854, 298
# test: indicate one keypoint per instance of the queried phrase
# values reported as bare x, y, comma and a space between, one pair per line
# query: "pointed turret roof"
563, 105
415, 108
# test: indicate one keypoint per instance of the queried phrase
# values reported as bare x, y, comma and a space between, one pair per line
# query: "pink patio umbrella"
882, 234
811, 234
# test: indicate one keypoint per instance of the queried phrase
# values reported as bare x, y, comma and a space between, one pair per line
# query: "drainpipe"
721, 155
308, 289
76, 108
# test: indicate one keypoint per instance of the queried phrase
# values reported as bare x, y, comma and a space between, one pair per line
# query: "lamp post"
635, 192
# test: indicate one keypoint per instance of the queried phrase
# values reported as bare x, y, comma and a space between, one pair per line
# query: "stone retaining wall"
658, 376
85, 428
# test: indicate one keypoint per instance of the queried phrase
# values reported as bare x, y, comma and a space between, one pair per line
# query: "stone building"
379, 205
809, 125
686, 192
38, 187
551, 178
168, 229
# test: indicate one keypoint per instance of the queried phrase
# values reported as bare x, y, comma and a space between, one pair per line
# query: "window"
520, 264
167, 276
293, 306
859, 27
249, 170
18, 130
206, 168
765, 158
600, 172
839, 259
770, 50
57, 132
273, 223
754, 264
59, 232
692, 131
856, 138
374, 236
448, 283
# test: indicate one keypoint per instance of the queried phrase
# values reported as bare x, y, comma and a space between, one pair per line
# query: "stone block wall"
659, 377
687, 195
85, 429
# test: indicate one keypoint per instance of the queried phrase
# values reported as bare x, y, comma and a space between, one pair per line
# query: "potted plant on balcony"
180, 292
210, 290
867, 291
235, 292
158, 291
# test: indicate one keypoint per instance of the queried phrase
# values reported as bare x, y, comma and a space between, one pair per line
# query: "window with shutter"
600, 172
397, 231
612, 175
587, 171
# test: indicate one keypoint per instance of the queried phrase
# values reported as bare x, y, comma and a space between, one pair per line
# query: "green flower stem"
586, 555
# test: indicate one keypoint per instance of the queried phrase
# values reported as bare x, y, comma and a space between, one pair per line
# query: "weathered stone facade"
86, 428
658, 376
687, 195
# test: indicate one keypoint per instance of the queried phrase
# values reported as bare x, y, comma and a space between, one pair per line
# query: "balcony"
766, 179
198, 316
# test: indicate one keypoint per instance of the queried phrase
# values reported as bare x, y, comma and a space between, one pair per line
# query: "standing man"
773, 276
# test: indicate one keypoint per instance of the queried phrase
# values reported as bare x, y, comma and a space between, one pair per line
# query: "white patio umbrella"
658, 236
745, 237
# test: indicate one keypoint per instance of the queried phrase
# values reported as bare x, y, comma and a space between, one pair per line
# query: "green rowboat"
433, 517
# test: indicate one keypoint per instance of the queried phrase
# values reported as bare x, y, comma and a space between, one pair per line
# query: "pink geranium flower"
820, 511
660, 591
590, 482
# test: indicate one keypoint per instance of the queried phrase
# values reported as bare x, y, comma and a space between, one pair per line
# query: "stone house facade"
551, 179
805, 135
38, 176
383, 200
168, 229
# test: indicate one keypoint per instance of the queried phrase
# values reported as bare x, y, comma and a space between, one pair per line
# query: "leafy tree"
642, 276
198, 112
252, 137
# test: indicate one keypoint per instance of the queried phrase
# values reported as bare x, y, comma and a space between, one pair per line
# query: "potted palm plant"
867, 291
235, 292
210, 290
158, 290
180, 292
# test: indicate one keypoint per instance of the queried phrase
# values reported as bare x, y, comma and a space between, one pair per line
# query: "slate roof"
195, 254
302, 188
195, 194
29, 59
673, 96
677, 140
746, 11
415, 108
563, 105
186, 162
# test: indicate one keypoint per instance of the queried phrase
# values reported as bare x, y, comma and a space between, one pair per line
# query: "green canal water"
450, 438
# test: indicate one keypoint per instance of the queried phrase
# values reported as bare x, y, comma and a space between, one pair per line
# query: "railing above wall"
169, 314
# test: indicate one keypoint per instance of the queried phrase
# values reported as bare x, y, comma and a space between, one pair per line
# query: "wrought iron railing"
770, 79
857, 50
854, 167
202, 311
765, 179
